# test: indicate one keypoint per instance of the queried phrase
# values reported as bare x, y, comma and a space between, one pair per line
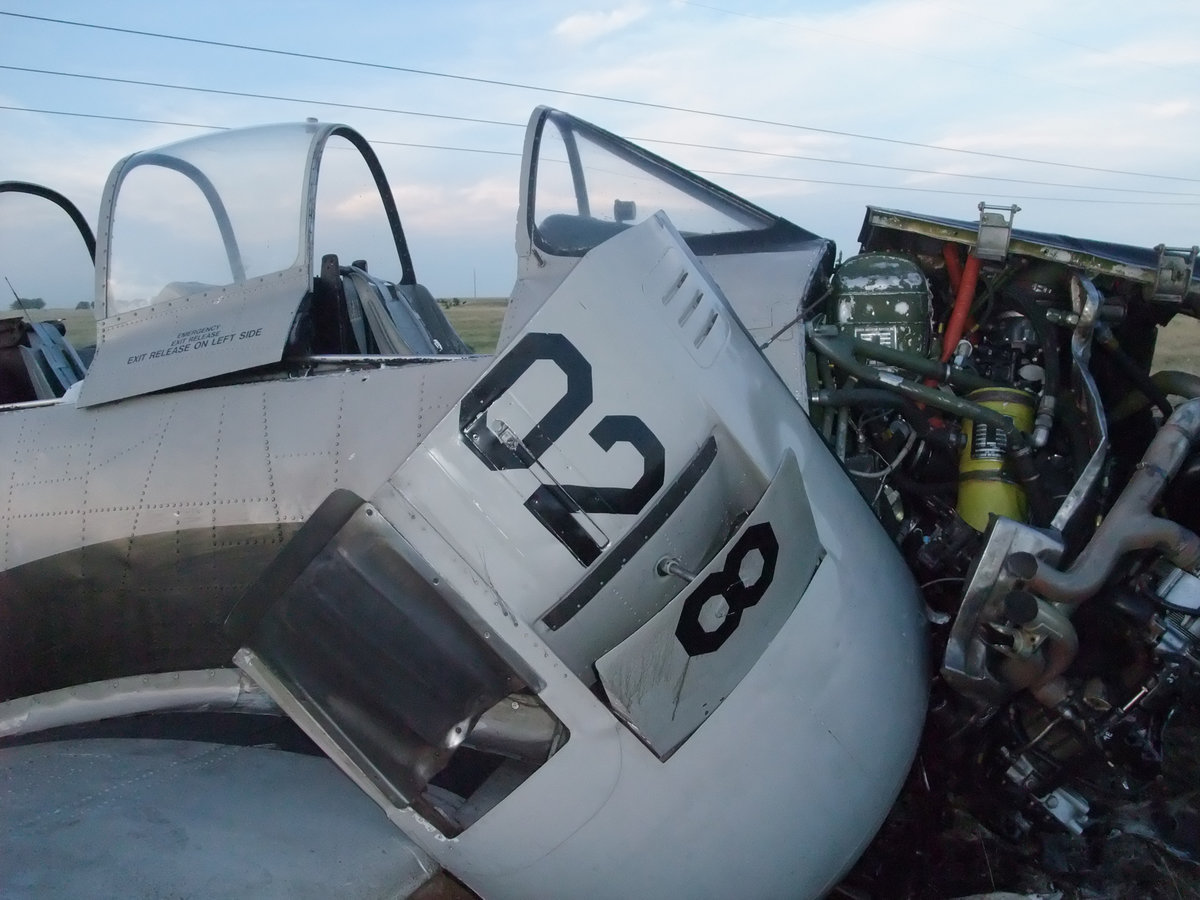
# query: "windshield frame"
776, 232
77, 218
319, 134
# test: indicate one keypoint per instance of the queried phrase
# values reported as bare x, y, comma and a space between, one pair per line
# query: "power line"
786, 178
644, 104
919, 190
648, 140
844, 162
79, 115
445, 147
255, 96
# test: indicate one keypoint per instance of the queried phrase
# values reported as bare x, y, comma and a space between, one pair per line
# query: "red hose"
962, 306
953, 265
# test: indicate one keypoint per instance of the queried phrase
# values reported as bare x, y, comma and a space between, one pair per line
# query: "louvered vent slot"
674, 288
707, 329
691, 307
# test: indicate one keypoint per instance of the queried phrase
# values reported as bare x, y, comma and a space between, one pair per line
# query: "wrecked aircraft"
562, 627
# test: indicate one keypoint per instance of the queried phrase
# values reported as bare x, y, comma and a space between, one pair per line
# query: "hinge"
995, 231
1176, 266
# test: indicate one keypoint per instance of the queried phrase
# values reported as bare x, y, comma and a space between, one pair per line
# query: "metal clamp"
1176, 265
995, 231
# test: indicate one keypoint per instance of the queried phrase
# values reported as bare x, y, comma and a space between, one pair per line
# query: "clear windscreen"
588, 189
202, 214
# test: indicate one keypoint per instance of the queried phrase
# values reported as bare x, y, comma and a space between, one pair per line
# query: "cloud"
1170, 109
588, 26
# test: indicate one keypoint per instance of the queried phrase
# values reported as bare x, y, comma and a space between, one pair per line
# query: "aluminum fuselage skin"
130, 529
744, 730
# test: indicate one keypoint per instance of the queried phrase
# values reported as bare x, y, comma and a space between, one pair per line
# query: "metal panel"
130, 529
208, 333
157, 818
361, 642
827, 716
1140, 264
664, 680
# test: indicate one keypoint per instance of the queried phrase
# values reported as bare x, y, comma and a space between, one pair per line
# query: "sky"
908, 104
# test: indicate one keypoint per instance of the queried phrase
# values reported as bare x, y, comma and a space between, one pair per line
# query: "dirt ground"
932, 848
1179, 345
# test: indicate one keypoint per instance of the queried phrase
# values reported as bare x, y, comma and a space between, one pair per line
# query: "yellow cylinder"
985, 486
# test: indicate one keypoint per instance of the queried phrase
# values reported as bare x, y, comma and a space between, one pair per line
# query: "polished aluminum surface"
105, 817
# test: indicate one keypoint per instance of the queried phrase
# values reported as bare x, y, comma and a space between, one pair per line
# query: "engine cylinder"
985, 487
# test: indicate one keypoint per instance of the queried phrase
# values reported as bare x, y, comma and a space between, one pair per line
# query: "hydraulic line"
954, 269
962, 306
877, 397
1048, 338
1130, 369
1169, 382
842, 350
920, 365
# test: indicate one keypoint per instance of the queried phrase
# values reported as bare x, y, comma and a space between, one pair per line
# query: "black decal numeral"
472, 412
728, 583
554, 505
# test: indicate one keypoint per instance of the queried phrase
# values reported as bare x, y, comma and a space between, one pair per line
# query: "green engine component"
882, 298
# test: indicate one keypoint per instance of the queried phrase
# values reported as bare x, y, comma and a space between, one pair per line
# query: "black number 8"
728, 583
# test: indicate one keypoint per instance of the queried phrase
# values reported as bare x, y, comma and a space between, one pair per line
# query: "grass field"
81, 323
478, 321
1179, 346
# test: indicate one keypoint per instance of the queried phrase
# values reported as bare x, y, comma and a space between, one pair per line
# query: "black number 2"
554, 504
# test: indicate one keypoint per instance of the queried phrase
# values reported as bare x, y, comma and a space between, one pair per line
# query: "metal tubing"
197, 690
874, 397
841, 351
517, 727
919, 364
1086, 301
1130, 524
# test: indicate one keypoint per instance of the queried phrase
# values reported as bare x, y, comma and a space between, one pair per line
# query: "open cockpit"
225, 256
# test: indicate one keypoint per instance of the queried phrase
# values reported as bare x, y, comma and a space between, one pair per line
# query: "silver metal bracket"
1176, 265
1068, 807
995, 231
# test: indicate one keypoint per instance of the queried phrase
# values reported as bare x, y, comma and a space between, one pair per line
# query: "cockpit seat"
350, 312
569, 233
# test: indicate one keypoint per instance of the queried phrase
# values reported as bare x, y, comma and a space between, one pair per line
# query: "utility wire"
845, 162
254, 96
922, 190
644, 104
878, 187
480, 121
79, 115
